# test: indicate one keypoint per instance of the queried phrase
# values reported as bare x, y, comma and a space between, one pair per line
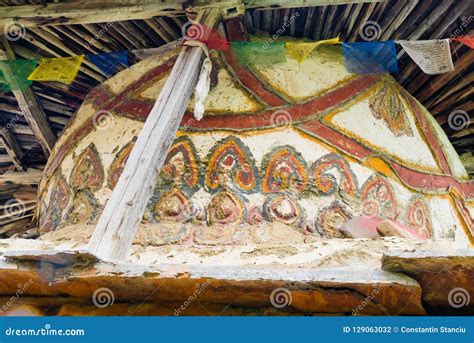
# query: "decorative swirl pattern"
330, 219
418, 217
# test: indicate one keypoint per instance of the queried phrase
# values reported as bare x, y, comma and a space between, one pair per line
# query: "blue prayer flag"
109, 62
370, 57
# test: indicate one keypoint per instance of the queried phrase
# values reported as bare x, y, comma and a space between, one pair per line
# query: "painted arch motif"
60, 193
88, 172
387, 105
284, 171
378, 198
181, 167
50, 215
84, 209
231, 164
418, 217
325, 170
118, 164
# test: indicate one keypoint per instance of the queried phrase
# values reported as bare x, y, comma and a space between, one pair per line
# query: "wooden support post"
114, 233
29, 106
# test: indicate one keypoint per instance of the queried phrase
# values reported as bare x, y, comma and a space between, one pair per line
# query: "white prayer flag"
432, 56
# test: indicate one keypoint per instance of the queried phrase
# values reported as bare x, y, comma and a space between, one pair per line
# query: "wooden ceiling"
400, 19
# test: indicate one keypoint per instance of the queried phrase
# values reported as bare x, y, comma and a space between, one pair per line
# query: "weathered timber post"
114, 233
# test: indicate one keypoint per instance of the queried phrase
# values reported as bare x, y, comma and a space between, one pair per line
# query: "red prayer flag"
469, 41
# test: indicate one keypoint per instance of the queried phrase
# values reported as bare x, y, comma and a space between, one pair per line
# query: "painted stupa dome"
287, 152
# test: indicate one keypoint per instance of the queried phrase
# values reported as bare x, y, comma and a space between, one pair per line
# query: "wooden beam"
301, 3
30, 177
400, 17
86, 12
115, 231
99, 11
29, 106
12, 148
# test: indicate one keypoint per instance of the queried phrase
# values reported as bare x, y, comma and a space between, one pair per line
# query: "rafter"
11, 146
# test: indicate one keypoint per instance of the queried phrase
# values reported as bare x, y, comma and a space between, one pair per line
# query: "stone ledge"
337, 291
341, 290
447, 279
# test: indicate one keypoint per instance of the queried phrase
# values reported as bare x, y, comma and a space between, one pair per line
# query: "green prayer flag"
259, 53
14, 74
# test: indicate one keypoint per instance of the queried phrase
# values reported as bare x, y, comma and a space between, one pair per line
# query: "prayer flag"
259, 53
300, 51
109, 62
14, 74
63, 69
469, 41
370, 57
432, 56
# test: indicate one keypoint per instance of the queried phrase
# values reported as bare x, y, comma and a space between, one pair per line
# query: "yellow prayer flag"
63, 69
299, 51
